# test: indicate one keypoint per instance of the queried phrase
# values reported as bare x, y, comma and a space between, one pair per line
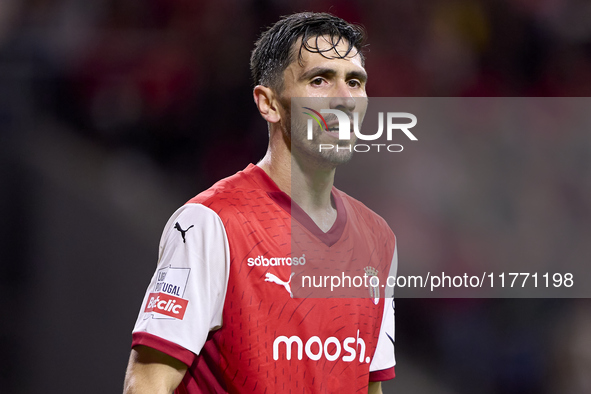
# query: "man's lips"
333, 126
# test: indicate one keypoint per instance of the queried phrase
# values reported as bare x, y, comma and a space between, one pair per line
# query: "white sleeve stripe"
384, 357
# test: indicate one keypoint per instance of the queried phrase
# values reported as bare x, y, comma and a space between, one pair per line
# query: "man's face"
334, 83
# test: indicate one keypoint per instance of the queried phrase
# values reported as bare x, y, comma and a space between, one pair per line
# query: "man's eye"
317, 81
354, 83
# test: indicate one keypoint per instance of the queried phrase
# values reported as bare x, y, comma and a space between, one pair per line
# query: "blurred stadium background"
115, 112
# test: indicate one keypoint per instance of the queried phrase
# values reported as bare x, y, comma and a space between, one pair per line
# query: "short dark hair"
274, 52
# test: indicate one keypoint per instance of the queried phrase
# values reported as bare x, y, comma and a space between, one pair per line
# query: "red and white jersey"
228, 297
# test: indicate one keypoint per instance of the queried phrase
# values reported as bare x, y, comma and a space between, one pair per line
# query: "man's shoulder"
230, 190
242, 194
362, 213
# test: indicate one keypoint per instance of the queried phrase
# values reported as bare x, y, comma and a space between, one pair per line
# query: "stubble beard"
308, 151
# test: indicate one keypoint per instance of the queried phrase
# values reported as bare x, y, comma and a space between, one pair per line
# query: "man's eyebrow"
325, 71
329, 72
360, 75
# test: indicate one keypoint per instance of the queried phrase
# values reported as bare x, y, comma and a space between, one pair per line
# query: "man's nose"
343, 98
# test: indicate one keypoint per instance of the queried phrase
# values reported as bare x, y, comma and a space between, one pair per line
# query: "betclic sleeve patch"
166, 299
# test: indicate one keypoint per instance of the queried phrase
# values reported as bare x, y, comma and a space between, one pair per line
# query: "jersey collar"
329, 238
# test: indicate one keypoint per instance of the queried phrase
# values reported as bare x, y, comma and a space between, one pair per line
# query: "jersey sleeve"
184, 300
383, 362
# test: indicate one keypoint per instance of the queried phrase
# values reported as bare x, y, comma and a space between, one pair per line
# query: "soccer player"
219, 314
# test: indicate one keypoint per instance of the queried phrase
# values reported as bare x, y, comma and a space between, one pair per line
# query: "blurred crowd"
169, 81
168, 78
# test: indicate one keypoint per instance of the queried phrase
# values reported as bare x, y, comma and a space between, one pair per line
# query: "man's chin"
324, 151
327, 159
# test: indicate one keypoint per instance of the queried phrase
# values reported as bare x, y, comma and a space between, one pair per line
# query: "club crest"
373, 284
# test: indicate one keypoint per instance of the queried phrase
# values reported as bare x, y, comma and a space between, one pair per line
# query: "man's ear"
267, 103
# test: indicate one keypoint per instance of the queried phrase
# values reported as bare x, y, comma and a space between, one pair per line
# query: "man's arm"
196, 262
374, 388
151, 371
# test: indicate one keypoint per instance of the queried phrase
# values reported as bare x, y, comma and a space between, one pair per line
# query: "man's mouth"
333, 126
333, 129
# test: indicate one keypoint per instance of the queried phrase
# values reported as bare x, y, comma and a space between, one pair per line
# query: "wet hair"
274, 51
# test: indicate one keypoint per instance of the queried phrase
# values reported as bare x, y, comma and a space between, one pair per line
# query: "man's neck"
309, 187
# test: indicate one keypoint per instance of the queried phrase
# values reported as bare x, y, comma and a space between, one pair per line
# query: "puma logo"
269, 277
178, 227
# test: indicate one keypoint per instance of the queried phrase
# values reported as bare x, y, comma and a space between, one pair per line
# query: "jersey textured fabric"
228, 300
